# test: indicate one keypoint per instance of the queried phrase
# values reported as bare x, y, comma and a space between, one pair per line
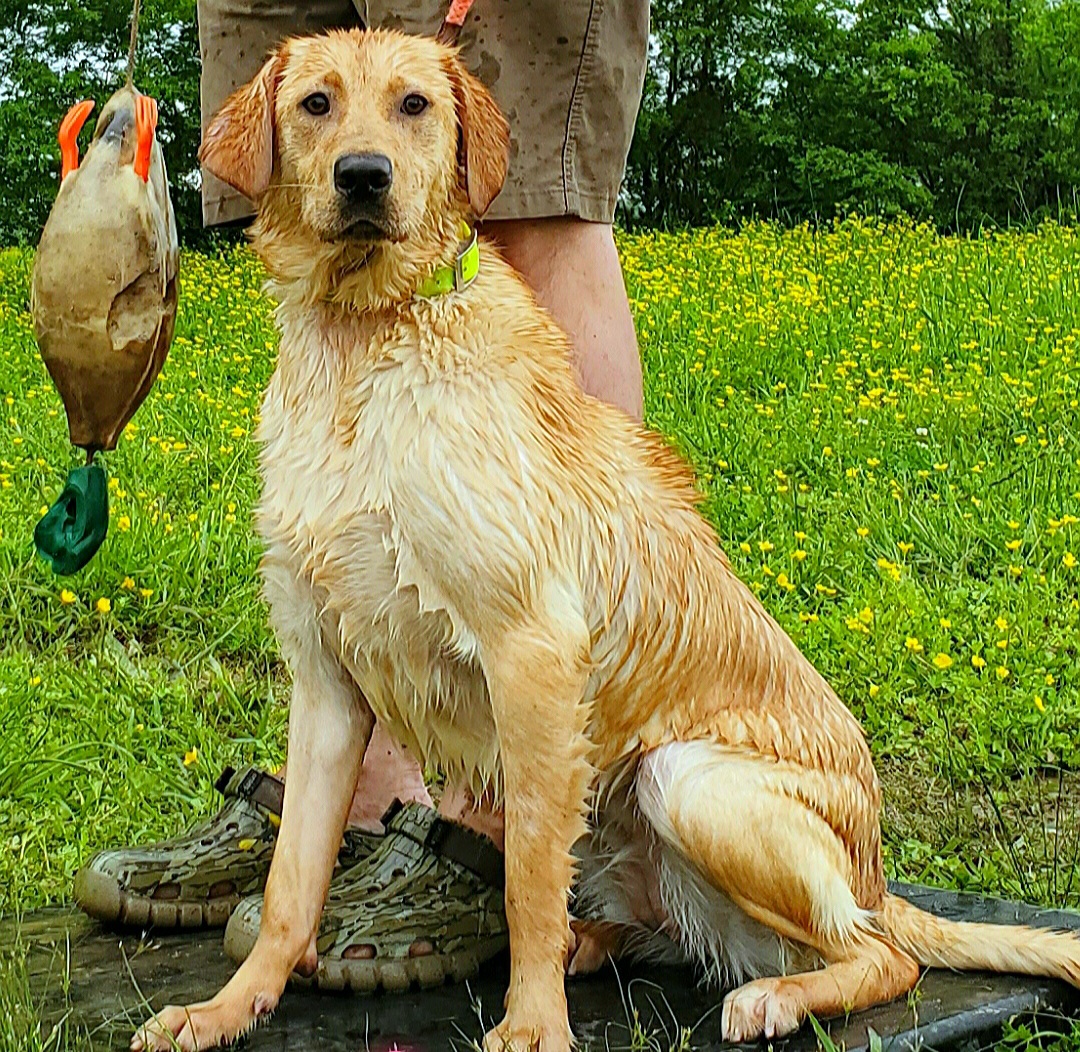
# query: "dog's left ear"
238, 145
484, 137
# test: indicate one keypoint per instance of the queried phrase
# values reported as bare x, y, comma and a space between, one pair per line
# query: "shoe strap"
472, 850
254, 785
450, 840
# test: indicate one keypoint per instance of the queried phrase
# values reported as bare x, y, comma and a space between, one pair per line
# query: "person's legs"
572, 128
388, 773
573, 267
569, 73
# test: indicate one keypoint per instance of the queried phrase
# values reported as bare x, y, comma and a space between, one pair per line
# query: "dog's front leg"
329, 727
536, 679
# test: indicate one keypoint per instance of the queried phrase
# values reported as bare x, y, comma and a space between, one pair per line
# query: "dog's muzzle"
362, 182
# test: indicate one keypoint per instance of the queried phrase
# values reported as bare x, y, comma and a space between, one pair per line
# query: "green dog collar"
461, 274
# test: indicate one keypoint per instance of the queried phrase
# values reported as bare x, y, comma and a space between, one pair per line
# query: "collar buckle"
466, 263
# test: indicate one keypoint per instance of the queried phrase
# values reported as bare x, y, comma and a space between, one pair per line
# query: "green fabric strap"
74, 527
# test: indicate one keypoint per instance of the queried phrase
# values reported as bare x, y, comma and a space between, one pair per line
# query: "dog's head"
363, 151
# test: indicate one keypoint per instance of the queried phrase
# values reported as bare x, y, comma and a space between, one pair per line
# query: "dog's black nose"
363, 176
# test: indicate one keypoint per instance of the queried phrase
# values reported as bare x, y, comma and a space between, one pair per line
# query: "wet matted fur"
515, 578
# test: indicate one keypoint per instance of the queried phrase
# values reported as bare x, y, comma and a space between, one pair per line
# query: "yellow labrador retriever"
515, 578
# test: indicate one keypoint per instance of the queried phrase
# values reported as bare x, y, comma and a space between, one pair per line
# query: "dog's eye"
414, 104
317, 104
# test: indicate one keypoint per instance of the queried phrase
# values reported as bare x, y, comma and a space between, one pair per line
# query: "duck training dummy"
103, 299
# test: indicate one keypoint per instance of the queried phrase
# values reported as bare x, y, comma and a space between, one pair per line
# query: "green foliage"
1053, 1034
883, 424
54, 53
964, 112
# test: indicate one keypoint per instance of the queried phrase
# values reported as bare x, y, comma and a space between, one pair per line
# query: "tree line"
962, 112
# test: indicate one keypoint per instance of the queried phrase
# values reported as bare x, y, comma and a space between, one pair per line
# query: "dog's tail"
937, 943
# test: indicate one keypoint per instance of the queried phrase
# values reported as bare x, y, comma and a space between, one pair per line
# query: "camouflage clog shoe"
424, 907
196, 879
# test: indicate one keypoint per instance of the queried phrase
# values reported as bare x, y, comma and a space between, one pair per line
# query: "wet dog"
515, 578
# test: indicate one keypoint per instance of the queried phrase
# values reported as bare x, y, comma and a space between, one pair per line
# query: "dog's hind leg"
744, 821
870, 973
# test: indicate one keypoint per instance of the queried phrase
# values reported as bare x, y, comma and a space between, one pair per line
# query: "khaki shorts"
568, 75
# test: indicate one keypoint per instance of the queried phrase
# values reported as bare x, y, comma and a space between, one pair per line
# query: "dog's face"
361, 138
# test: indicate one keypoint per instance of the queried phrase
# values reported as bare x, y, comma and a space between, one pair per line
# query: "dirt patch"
1017, 838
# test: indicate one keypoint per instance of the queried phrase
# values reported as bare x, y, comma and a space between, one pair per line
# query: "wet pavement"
112, 978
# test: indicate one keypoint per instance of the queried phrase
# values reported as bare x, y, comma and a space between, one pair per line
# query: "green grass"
25, 1005
885, 425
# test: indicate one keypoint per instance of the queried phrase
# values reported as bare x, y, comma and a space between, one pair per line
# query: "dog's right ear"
483, 137
238, 144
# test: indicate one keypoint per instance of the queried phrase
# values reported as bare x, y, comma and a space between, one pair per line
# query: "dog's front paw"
513, 1035
198, 1027
763, 1008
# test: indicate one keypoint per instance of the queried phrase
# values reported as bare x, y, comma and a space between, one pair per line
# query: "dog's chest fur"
331, 426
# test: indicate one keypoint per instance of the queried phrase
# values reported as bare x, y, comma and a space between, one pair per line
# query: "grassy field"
886, 426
